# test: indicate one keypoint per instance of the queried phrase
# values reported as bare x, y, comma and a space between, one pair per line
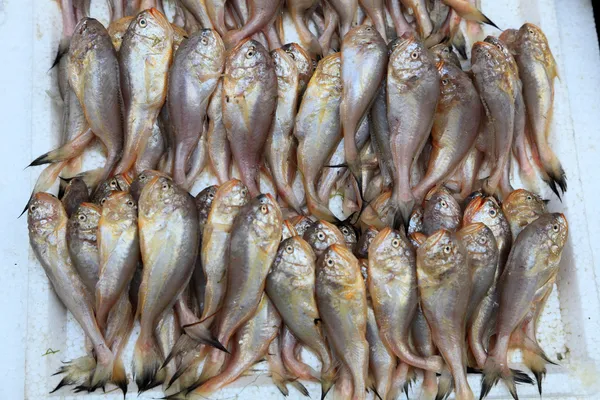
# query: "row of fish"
227, 281
260, 264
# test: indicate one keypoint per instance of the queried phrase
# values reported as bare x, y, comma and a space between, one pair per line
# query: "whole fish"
537, 69
145, 56
419, 11
526, 272
76, 192
445, 286
96, 85
521, 208
82, 243
364, 59
321, 234
413, 87
318, 129
214, 253
441, 211
346, 10
291, 287
193, 77
455, 126
219, 151
342, 301
255, 235
281, 143
118, 251
47, 223
260, 15
496, 83
392, 284
249, 102
168, 218
251, 344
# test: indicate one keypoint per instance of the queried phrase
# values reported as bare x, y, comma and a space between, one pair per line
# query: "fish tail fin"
287, 193
495, 371
399, 380
402, 213
146, 363
555, 172
327, 381
119, 377
460, 44
73, 167
202, 334
319, 210
77, 372
103, 371
472, 13
536, 360
429, 388
445, 385
187, 369
300, 387
541, 168
280, 382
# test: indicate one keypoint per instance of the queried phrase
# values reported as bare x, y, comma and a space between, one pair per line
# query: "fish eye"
130, 203
330, 262
395, 243
251, 52
81, 217
488, 56
414, 55
211, 195
142, 22
114, 184
103, 201
264, 209
244, 192
555, 227
482, 240
447, 249
443, 203
204, 41
530, 31
444, 81
446, 50
32, 208
142, 178
289, 249
529, 198
344, 230
368, 29
165, 186
314, 63
321, 236
493, 212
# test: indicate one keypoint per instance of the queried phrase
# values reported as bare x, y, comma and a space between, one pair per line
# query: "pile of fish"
433, 264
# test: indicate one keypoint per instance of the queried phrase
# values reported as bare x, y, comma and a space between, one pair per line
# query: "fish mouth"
154, 180
470, 229
563, 220
381, 236
435, 238
472, 208
303, 244
440, 65
230, 184
93, 206
342, 251
160, 18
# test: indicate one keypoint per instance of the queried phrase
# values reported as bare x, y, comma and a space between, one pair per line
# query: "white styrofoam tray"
33, 320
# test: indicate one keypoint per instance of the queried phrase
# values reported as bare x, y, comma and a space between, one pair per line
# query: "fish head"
480, 243
349, 233
46, 214
531, 34
488, 211
160, 196
301, 223
204, 201
556, 229
151, 31
500, 45
339, 268
287, 230
415, 222
209, 52
330, 67
364, 37
119, 207
87, 34
322, 234
117, 29
266, 216
230, 197
304, 63
295, 255
443, 52
523, 207
487, 59
441, 209
509, 36
417, 239
285, 69
365, 240
141, 181
86, 218
248, 59
452, 83
390, 252
440, 255
410, 61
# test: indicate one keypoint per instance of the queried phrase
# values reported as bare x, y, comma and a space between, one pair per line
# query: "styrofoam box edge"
34, 320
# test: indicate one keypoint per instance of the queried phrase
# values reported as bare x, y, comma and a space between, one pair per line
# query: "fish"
145, 56
364, 242
419, 11
47, 223
291, 287
441, 211
392, 284
167, 333
204, 201
364, 58
346, 10
279, 374
350, 235
415, 223
75, 193
301, 223
118, 252
321, 234
167, 217
468, 172
260, 14
382, 362
281, 143
97, 86
216, 10
380, 212
318, 129
117, 29
455, 126
521, 208
219, 151
423, 344
299, 11
525, 273
342, 302
375, 9
443, 52
380, 136
413, 88
326, 39
82, 243
290, 354
537, 69
496, 84
469, 12
444, 283
252, 342
193, 77
249, 103
255, 236
118, 183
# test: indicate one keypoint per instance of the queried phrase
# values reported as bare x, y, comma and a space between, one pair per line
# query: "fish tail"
77, 372
119, 377
535, 359
280, 382
202, 334
445, 385
103, 371
495, 371
300, 387
317, 209
555, 171
186, 370
472, 13
146, 363
460, 44
429, 388
399, 380
288, 195
327, 381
